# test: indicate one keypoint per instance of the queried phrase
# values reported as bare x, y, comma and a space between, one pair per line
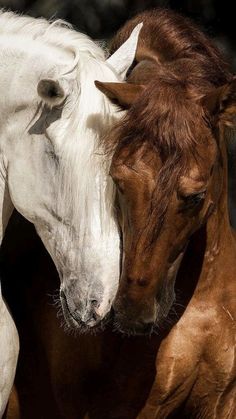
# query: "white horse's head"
52, 166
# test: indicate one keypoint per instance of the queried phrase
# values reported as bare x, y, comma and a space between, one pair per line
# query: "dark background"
101, 18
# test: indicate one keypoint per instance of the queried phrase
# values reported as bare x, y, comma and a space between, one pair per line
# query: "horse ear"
221, 103
123, 58
124, 94
51, 92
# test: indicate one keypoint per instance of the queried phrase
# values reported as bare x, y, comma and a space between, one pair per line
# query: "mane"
82, 169
184, 65
55, 32
168, 36
171, 123
83, 156
170, 117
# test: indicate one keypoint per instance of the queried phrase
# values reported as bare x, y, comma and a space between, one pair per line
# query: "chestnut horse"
179, 371
170, 168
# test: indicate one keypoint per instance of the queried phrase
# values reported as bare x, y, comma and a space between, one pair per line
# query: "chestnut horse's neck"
209, 266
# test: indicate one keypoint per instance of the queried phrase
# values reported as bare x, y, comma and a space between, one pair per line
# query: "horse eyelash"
193, 200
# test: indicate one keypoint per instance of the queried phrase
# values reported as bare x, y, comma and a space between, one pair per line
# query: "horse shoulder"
176, 371
187, 356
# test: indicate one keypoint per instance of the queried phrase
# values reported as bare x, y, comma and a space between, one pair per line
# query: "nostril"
143, 282
96, 313
95, 309
94, 303
94, 316
88, 314
129, 280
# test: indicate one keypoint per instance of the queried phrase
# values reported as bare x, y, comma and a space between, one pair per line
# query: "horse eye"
195, 199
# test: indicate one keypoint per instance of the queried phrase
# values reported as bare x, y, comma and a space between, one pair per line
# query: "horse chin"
146, 326
140, 328
136, 329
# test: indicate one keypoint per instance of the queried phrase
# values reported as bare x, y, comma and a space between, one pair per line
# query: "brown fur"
171, 51
167, 36
170, 123
169, 166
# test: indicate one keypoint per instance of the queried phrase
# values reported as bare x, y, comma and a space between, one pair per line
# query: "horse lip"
65, 305
138, 329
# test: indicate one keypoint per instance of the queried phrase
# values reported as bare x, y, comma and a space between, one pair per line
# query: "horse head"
169, 169
53, 168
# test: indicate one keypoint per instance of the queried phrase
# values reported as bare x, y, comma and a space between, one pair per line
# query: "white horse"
52, 169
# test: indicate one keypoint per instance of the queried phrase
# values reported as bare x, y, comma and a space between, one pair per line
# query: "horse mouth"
152, 319
137, 329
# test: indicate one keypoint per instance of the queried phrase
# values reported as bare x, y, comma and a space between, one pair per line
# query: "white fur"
126, 53
9, 348
52, 168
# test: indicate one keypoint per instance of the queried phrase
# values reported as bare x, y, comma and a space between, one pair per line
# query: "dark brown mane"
184, 66
167, 36
166, 115
169, 118
178, 65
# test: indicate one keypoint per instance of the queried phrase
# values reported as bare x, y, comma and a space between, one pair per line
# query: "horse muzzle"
133, 319
81, 314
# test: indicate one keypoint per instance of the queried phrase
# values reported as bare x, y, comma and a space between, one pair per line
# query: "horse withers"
52, 170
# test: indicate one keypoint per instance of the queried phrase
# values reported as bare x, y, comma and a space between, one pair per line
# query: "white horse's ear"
51, 92
122, 59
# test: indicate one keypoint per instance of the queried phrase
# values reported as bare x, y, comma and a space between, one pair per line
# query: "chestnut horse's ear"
221, 103
124, 94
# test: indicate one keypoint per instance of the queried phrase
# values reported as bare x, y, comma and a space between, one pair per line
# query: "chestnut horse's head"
168, 168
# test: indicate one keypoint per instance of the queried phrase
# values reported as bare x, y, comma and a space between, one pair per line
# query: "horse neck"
210, 260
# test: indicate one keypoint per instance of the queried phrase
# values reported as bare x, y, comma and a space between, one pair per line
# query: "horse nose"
133, 317
90, 316
139, 281
94, 303
84, 314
